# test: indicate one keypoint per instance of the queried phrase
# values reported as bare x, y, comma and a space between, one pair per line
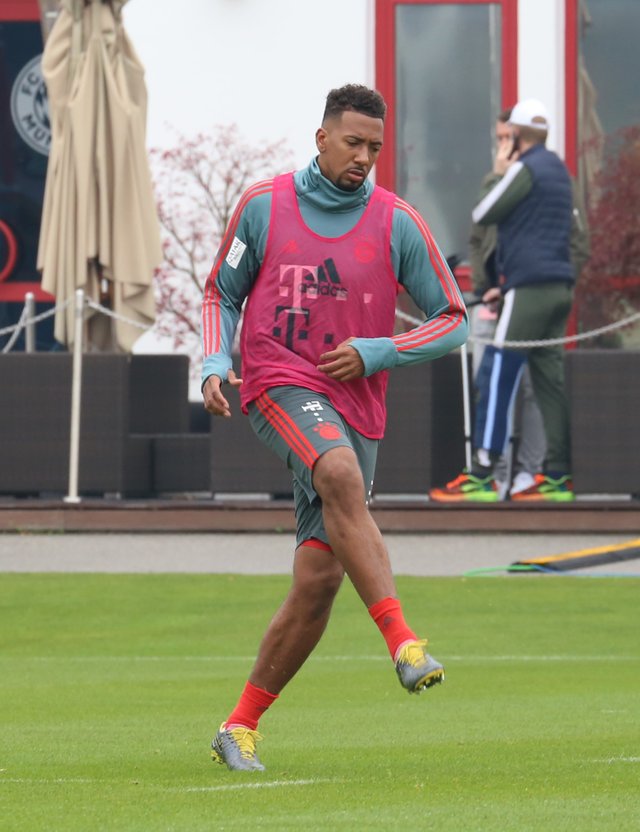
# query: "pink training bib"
311, 294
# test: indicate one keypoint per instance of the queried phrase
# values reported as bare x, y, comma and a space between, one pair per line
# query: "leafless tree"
198, 183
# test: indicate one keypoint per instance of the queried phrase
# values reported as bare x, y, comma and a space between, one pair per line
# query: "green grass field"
111, 687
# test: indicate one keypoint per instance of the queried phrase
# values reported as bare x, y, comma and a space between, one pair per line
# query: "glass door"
603, 149
446, 70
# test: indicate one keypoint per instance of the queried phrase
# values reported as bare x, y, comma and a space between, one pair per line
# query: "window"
604, 112
446, 70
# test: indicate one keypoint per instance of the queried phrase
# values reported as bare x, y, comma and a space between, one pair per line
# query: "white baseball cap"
530, 113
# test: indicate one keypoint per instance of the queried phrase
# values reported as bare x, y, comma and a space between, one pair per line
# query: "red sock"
252, 704
388, 616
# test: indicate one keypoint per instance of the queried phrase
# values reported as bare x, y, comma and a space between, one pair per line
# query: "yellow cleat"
416, 669
236, 748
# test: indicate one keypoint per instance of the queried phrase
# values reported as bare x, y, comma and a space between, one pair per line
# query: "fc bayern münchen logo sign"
30, 107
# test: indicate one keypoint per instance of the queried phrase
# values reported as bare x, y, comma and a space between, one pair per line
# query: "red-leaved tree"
198, 183
608, 289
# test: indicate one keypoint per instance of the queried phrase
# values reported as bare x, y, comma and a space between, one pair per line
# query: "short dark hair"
355, 97
505, 115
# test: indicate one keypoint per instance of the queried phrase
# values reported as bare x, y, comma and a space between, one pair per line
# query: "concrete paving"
411, 554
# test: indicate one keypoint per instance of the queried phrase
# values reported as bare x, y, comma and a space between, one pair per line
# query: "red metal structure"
386, 68
385, 48
571, 85
19, 10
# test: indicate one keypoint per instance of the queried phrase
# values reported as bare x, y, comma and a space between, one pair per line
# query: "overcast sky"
265, 66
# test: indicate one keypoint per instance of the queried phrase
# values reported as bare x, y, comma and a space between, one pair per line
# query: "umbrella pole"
466, 406
76, 389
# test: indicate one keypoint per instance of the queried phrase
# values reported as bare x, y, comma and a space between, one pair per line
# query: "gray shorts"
300, 426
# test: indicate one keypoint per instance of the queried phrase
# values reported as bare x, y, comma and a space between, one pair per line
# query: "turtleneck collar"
313, 187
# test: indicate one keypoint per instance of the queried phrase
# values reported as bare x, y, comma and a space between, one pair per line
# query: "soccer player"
319, 256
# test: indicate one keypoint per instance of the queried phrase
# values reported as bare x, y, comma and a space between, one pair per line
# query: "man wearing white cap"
532, 207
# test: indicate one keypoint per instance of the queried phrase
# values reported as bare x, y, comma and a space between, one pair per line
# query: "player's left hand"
343, 363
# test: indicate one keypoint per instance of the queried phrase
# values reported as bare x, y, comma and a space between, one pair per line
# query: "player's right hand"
214, 401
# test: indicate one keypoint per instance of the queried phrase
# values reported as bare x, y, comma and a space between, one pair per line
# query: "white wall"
541, 54
265, 65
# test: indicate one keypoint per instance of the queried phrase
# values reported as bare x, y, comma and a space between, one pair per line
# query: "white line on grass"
519, 658
359, 658
31, 781
273, 784
618, 760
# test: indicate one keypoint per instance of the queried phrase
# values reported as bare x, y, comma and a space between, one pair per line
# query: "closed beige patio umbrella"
99, 228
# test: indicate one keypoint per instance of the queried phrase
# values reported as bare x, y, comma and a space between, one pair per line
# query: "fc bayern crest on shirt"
30, 107
366, 250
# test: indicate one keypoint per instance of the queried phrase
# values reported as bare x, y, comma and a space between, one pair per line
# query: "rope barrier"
17, 329
111, 314
27, 320
551, 342
36, 318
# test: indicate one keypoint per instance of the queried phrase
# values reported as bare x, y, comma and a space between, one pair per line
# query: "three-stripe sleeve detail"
450, 319
211, 298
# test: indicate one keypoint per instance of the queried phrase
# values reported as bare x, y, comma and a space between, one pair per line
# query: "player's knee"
331, 581
316, 589
337, 477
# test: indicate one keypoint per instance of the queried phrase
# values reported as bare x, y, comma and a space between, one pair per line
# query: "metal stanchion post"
30, 327
466, 406
76, 390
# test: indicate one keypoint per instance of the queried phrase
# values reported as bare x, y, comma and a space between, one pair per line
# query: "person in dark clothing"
528, 424
532, 207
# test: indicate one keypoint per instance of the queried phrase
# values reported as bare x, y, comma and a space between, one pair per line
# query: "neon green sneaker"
558, 490
236, 748
416, 669
467, 488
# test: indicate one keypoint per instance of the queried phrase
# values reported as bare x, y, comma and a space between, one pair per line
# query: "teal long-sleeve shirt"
417, 261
